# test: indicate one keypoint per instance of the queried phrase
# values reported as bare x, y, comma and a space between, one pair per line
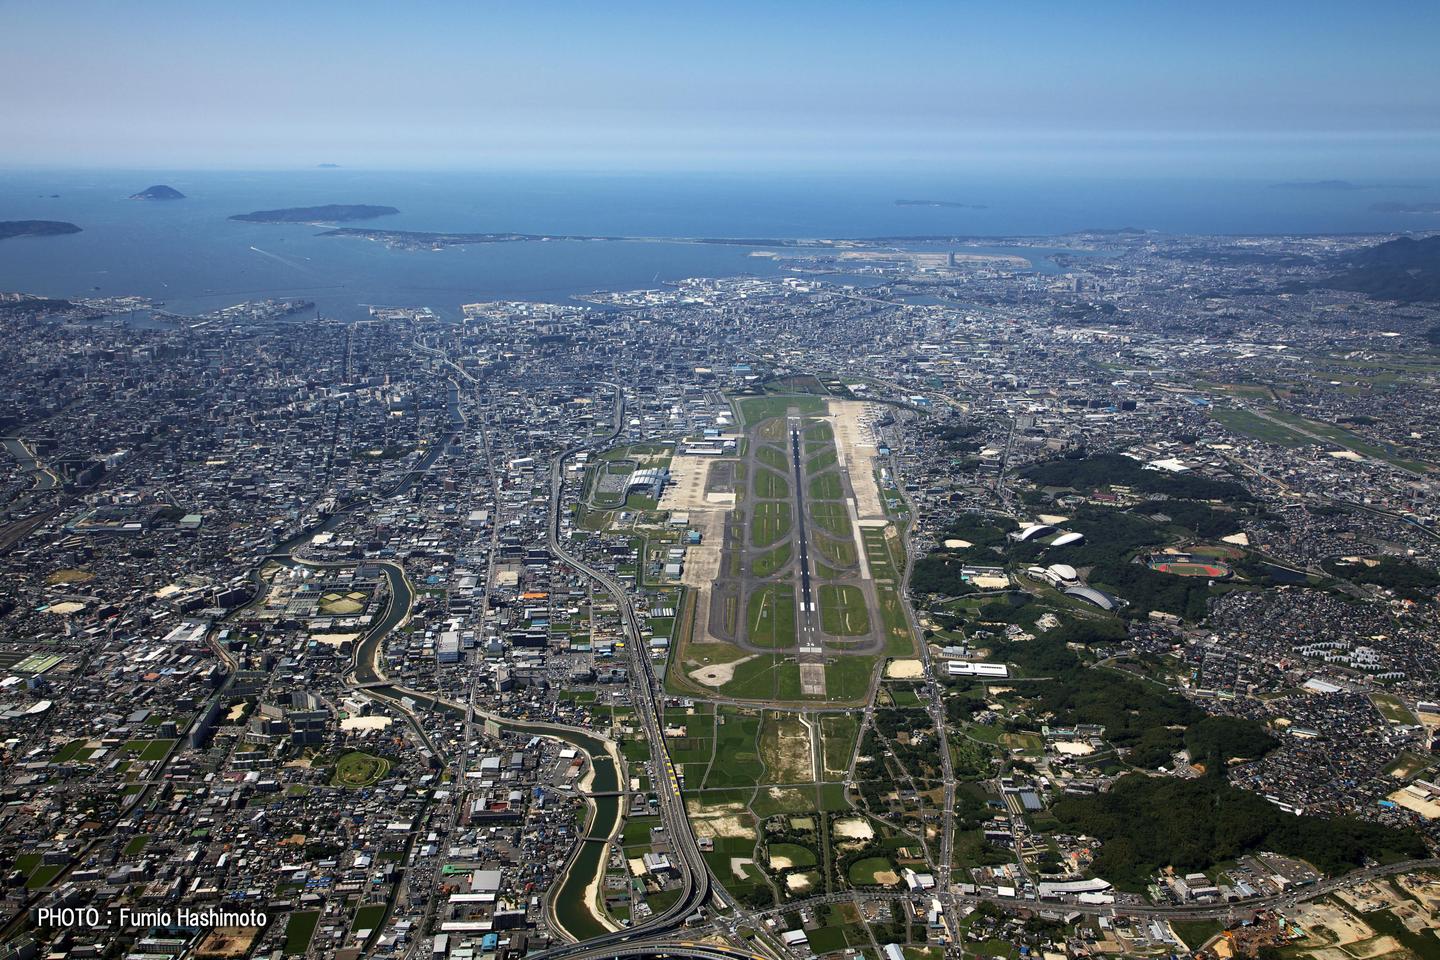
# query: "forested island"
327, 213
35, 228
159, 191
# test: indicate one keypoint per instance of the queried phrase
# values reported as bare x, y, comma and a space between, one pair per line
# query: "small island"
1417, 207
329, 213
35, 228
948, 204
158, 192
1338, 186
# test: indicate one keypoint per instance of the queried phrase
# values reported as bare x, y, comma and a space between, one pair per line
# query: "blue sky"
1312, 89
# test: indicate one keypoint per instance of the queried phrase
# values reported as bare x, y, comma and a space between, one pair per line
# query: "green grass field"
736, 760
358, 769
832, 517
43, 875
842, 610
819, 432
1256, 427
827, 486
149, 750
299, 929
777, 800
899, 640
1407, 765
770, 616
635, 835
766, 677
698, 747
769, 485
368, 917
797, 855
825, 940
1292, 428
1214, 571
768, 523
772, 431
821, 461
837, 741
772, 457
848, 677
755, 409
867, 872
839, 552
768, 562
877, 554
1196, 932
1392, 709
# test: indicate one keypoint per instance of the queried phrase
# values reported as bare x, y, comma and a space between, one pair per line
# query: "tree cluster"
1112, 469
1147, 823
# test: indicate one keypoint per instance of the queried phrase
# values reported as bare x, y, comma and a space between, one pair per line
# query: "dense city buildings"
912, 602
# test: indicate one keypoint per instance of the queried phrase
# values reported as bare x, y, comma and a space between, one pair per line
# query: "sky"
1291, 89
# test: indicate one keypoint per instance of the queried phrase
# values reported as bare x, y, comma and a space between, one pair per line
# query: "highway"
697, 888
660, 946
945, 863
666, 948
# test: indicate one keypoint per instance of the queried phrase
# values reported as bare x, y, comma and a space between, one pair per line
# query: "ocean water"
189, 255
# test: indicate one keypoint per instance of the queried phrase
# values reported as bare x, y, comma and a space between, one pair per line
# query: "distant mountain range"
1407, 270
328, 213
35, 228
158, 192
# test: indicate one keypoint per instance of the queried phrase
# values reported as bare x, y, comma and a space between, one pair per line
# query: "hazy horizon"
1290, 91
